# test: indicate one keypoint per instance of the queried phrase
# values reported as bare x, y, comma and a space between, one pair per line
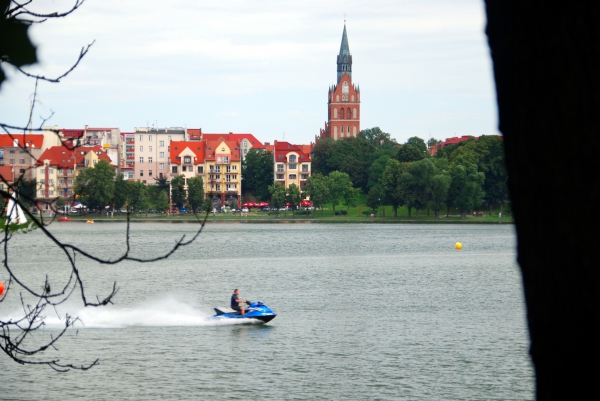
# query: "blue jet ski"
255, 310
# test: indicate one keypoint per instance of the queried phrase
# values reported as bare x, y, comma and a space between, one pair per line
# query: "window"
69, 192
234, 167
150, 159
169, 138
12, 161
12, 152
348, 114
51, 192
161, 144
228, 169
60, 171
305, 168
150, 138
234, 177
69, 171
187, 159
280, 168
141, 138
280, 156
41, 171
292, 159
184, 168
292, 166
174, 169
168, 148
334, 113
42, 194
21, 161
149, 148
354, 113
218, 187
149, 173
292, 176
141, 173
70, 182
141, 159
141, 148
304, 176
161, 166
161, 155
341, 113
95, 161
280, 176
228, 178
130, 175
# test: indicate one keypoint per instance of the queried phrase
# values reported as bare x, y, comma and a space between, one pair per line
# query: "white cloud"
270, 62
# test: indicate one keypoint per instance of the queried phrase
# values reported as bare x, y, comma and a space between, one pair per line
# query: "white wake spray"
164, 312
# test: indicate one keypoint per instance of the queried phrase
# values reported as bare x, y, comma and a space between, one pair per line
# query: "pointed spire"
344, 59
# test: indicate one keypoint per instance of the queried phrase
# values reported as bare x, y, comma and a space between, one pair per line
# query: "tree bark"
548, 92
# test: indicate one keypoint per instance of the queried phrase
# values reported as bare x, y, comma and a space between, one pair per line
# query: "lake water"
378, 312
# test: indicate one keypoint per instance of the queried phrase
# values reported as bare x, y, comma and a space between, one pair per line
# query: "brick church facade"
343, 118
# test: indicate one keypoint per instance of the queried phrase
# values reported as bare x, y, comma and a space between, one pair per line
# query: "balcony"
213, 180
214, 171
130, 157
130, 142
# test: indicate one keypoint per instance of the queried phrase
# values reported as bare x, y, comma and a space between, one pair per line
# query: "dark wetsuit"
234, 302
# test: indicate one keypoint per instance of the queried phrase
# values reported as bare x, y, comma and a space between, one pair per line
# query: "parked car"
266, 209
245, 210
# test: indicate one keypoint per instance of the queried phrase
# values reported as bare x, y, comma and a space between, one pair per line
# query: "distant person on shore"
236, 301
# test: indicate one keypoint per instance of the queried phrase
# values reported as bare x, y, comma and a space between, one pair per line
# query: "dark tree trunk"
548, 91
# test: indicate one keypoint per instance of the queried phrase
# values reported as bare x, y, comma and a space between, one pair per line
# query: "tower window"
335, 114
342, 114
355, 113
348, 113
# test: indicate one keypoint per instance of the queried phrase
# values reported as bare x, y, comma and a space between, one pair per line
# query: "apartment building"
127, 156
57, 168
152, 152
224, 171
20, 152
291, 163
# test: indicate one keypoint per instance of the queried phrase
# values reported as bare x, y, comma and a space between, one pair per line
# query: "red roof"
234, 137
7, 173
72, 133
62, 157
32, 140
212, 147
195, 133
179, 146
282, 149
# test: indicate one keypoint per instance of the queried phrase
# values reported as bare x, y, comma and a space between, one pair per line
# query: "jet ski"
254, 310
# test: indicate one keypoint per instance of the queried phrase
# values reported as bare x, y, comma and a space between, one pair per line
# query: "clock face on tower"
345, 88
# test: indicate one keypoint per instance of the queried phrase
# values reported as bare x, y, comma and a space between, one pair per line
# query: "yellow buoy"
458, 245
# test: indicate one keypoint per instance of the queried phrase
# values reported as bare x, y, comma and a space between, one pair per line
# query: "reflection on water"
364, 312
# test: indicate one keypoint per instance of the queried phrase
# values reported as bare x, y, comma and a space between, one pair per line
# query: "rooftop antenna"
344, 18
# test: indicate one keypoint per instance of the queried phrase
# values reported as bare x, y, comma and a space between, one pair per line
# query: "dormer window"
222, 149
187, 159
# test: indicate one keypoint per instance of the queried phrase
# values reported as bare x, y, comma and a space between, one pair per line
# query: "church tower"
343, 118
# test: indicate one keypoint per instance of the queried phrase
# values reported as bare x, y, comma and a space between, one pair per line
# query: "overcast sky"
262, 66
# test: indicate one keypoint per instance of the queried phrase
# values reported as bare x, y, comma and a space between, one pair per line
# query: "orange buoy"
458, 245
1, 288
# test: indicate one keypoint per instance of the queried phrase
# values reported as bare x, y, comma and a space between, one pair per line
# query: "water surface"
380, 312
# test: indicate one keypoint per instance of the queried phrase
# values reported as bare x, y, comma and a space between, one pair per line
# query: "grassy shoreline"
295, 219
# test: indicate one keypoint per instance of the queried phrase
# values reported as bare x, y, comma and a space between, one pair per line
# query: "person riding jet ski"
236, 301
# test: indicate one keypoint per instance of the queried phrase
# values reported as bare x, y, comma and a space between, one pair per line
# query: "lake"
365, 311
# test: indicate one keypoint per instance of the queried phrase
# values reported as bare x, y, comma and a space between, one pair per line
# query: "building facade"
343, 99
224, 171
152, 149
20, 152
291, 163
57, 168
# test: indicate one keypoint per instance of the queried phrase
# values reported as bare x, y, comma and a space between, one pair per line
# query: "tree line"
463, 176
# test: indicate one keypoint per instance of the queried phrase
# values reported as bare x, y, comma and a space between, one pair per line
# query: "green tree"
374, 199
26, 190
294, 197
96, 185
339, 185
376, 170
467, 183
257, 173
161, 201
208, 205
317, 188
277, 191
440, 184
178, 191
137, 197
122, 188
492, 164
416, 184
351, 198
391, 184
195, 194
233, 203
375, 136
